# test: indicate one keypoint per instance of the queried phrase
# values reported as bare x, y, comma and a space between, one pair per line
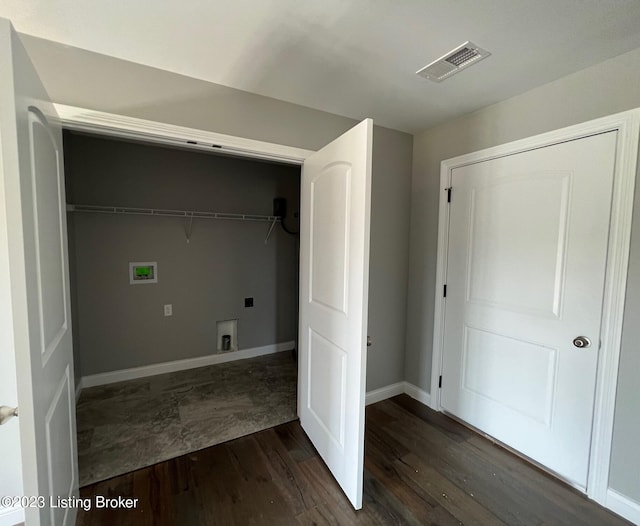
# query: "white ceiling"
356, 58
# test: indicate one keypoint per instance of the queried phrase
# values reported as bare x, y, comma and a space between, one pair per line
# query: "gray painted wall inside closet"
118, 325
117, 86
604, 89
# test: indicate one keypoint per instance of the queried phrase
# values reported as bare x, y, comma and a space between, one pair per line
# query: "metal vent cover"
453, 62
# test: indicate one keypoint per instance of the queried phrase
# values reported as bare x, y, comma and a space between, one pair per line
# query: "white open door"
334, 282
33, 234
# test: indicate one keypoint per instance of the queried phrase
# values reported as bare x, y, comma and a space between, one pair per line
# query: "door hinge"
448, 194
440, 382
444, 291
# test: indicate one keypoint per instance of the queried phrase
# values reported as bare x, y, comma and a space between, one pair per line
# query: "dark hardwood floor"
420, 468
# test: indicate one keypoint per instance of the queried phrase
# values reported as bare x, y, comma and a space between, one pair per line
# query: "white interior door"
525, 277
334, 281
33, 208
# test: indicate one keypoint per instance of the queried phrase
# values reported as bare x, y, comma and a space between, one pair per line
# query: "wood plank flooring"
420, 468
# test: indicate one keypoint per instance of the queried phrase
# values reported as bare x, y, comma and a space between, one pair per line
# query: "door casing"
628, 125
124, 127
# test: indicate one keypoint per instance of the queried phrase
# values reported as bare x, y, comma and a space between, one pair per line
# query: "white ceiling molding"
125, 127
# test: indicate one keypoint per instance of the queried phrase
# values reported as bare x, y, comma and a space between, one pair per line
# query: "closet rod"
168, 213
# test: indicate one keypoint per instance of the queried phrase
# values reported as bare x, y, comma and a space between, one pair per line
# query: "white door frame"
628, 125
112, 125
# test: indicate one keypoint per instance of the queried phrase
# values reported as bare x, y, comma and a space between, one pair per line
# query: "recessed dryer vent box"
227, 329
143, 272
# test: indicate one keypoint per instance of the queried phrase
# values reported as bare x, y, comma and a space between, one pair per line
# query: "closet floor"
130, 425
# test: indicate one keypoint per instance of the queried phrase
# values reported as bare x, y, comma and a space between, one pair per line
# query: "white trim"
441, 280
93, 121
388, 391
628, 124
181, 365
615, 287
417, 394
623, 506
11, 516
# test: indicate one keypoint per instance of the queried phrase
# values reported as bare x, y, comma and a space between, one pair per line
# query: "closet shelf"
189, 214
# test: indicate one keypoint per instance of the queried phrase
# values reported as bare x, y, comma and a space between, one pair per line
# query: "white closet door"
34, 216
334, 280
525, 278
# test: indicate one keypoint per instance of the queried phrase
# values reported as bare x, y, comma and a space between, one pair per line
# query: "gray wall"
89, 80
118, 325
117, 86
607, 88
389, 256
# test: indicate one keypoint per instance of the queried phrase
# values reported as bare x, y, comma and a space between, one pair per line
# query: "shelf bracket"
189, 228
273, 224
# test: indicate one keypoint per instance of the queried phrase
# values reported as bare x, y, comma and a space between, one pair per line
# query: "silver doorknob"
582, 342
6, 413
368, 341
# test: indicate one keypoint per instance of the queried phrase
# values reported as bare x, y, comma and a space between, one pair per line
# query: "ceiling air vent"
453, 62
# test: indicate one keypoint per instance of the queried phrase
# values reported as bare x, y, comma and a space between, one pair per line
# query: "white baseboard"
180, 365
11, 516
417, 394
623, 506
377, 395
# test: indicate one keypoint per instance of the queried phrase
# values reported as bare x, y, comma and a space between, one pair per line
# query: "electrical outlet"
248, 302
168, 310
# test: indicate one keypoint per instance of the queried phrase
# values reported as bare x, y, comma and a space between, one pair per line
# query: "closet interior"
184, 291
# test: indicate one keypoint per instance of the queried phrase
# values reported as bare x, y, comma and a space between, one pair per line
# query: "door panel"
35, 211
327, 368
507, 219
61, 456
527, 389
48, 221
330, 237
525, 276
334, 278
